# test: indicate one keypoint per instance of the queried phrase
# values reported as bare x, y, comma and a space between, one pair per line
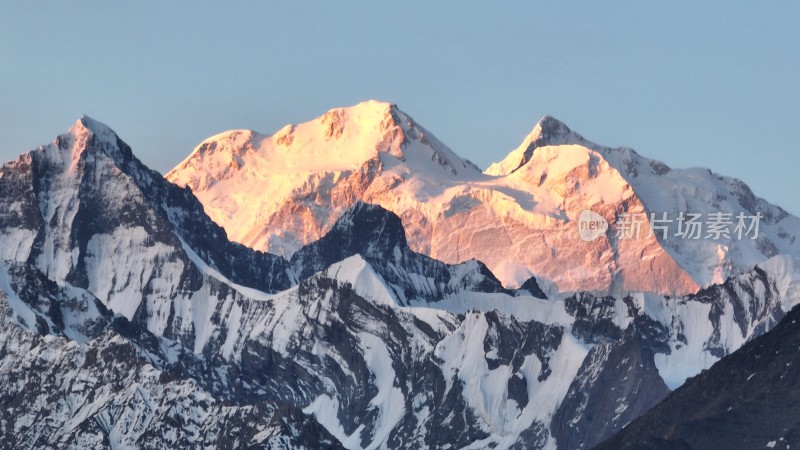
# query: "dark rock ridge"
128, 321
88, 182
552, 132
747, 400
379, 237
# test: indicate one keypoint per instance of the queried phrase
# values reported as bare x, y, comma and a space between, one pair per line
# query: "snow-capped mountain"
282, 191
520, 217
88, 214
75, 376
130, 321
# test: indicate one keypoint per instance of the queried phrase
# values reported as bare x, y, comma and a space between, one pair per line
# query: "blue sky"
712, 84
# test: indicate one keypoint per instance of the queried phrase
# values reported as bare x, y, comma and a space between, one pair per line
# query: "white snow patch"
365, 282
326, 410
251, 293
389, 399
22, 312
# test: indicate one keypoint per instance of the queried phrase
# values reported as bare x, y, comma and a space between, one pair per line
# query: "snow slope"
371, 372
142, 326
278, 192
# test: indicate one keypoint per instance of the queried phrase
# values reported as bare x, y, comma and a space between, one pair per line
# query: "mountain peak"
365, 229
371, 106
547, 131
86, 135
378, 236
85, 125
366, 112
550, 127
341, 139
359, 143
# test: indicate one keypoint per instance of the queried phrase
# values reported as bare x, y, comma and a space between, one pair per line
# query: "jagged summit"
368, 114
342, 139
86, 124
358, 125
86, 189
282, 191
547, 131
378, 236
128, 320
334, 158
85, 135
367, 228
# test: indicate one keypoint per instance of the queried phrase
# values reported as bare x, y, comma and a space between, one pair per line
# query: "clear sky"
712, 84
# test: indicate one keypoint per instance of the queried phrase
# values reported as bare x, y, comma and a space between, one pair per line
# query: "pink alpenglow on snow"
278, 192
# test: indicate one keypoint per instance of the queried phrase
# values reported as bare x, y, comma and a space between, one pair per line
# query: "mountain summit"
129, 320
279, 192
75, 208
343, 139
548, 131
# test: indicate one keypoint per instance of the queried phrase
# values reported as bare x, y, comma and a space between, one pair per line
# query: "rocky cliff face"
377, 235
337, 359
129, 321
87, 214
745, 401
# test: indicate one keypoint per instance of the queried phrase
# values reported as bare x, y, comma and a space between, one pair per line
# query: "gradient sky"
715, 84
